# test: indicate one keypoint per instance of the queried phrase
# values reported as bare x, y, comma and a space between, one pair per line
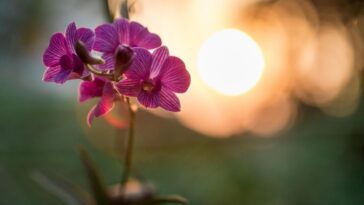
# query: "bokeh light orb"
230, 62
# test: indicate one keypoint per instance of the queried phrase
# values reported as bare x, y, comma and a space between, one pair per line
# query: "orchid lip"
148, 86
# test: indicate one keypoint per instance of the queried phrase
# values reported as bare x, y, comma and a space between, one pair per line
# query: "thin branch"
100, 73
130, 143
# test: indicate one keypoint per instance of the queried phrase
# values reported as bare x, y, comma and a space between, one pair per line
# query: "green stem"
100, 73
130, 143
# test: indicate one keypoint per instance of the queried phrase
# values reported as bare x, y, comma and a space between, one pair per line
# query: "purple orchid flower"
122, 33
60, 57
155, 78
98, 88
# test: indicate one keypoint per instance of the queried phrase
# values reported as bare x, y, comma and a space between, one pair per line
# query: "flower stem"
99, 73
130, 143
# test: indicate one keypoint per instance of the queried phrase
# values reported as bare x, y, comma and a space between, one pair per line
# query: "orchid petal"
169, 101
51, 73
122, 28
129, 87
62, 76
109, 59
141, 37
105, 104
159, 57
56, 49
140, 67
91, 89
77, 65
107, 100
71, 36
91, 115
149, 100
74, 75
106, 38
174, 75
87, 36
66, 62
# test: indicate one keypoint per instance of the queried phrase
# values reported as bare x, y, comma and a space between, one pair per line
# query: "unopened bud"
124, 56
85, 55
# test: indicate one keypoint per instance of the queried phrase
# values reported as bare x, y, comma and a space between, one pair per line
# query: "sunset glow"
230, 62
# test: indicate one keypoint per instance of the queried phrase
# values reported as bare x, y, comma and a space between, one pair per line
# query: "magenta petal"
66, 62
57, 74
56, 49
83, 34
106, 38
109, 59
71, 36
73, 75
77, 65
105, 104
91, 89
91, 115
140, 67
62, 76
107, 100
129, 87
159, 57
122, 28
85, 73
174, 75
149, 100
169, 101
51, 73
149, 41
86, 36
141, 37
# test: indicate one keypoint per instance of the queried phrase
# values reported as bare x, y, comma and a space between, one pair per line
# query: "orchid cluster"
133, 63
116, 62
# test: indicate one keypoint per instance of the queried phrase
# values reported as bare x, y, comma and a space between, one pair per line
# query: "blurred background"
290, 134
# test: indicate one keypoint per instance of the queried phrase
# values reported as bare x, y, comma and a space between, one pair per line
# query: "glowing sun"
230, 62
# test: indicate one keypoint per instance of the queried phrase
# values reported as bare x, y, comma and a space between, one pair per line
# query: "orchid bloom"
122, 33
155, 78
60, 58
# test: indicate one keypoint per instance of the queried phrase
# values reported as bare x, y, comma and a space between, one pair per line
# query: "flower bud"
85, 55
124, 55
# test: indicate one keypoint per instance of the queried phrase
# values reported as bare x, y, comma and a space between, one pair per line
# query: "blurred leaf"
62, 188
169, 199
98, 188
